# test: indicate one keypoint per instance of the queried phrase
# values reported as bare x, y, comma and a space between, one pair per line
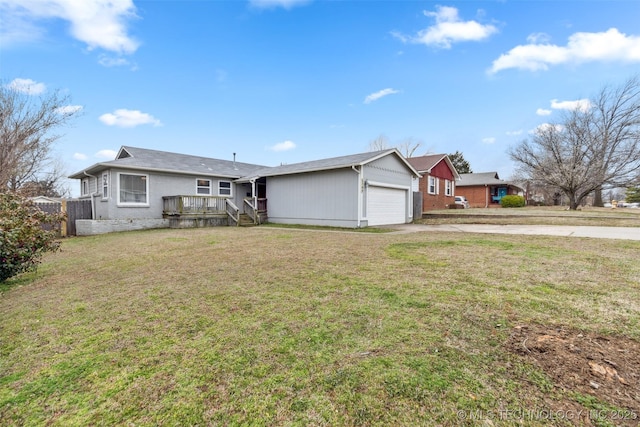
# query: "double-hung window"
432, 187
203, 186
133, 189
84, 186
224, 188
448, 187
105, 185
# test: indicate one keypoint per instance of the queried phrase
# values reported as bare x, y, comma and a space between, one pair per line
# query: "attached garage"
359, 190
386, 205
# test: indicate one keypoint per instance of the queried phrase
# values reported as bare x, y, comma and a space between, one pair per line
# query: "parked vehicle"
461, 200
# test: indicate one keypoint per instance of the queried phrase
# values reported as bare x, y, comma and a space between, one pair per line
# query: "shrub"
23, 240
512, 201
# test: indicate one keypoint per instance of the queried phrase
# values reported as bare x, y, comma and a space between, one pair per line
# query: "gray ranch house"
145, 188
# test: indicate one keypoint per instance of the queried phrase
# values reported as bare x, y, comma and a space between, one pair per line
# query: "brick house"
486, 189
437, 183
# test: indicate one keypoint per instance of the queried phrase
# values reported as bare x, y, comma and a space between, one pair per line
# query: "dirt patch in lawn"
600, 375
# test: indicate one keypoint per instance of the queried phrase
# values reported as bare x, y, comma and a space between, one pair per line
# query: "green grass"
328, 228
550, 215
269, 326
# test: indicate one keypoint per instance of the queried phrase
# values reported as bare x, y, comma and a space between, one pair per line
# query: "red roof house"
437, 182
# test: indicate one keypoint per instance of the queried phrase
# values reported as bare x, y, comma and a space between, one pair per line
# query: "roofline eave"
101, 166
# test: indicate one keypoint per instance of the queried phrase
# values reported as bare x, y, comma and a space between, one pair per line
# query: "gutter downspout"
359, 172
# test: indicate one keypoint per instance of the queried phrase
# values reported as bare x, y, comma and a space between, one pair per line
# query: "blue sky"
284, 81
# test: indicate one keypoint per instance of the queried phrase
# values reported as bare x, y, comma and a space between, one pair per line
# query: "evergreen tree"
461, 165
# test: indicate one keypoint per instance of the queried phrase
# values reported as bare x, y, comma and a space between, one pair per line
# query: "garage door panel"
386, 205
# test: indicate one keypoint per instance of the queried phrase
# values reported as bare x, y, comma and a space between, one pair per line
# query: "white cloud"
449, 29
543, 112
283, 146
106, 154
489, 140
285, 4
98, 23
377, 95
27, 86
69, 109
514, 132
536, 38
580, 104
128, 118
110, 61
79, 156
608, 46
546, 127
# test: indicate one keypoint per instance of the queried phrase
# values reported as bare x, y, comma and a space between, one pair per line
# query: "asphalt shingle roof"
425, 163
482, 178
322, 164
146, 159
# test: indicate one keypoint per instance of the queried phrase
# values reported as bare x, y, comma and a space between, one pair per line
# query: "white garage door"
386, 205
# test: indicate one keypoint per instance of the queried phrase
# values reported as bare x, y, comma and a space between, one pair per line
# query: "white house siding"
415, 184
387, 172
160, 184
318, 198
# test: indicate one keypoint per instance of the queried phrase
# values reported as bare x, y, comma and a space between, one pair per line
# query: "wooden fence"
75, 209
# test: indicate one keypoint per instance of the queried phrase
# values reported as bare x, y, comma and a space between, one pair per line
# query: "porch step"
245, 221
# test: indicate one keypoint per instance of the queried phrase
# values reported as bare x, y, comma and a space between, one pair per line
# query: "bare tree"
590, 149
48, 184
408, 146
27, 124
380, 143
616, 133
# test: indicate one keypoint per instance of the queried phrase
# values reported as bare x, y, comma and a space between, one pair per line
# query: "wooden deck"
193, 206
212, 209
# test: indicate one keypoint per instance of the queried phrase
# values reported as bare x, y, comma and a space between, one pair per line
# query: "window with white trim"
105, 185
432, 187
84, 186
203, 186
224, 188
448, 187
133, 189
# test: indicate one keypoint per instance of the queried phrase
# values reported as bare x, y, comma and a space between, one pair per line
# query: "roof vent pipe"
234, 162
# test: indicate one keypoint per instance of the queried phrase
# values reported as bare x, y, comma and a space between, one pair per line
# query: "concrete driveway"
625, 233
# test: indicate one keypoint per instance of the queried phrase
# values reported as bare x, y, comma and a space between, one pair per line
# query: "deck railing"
194, 205
258, 211
203, 206
250, 210
232, 211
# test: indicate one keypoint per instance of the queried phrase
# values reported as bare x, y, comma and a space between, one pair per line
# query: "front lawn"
267, 326
544, 215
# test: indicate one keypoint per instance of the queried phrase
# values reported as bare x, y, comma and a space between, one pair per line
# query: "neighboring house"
485, 189
437, 183
45, 199
144, 188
